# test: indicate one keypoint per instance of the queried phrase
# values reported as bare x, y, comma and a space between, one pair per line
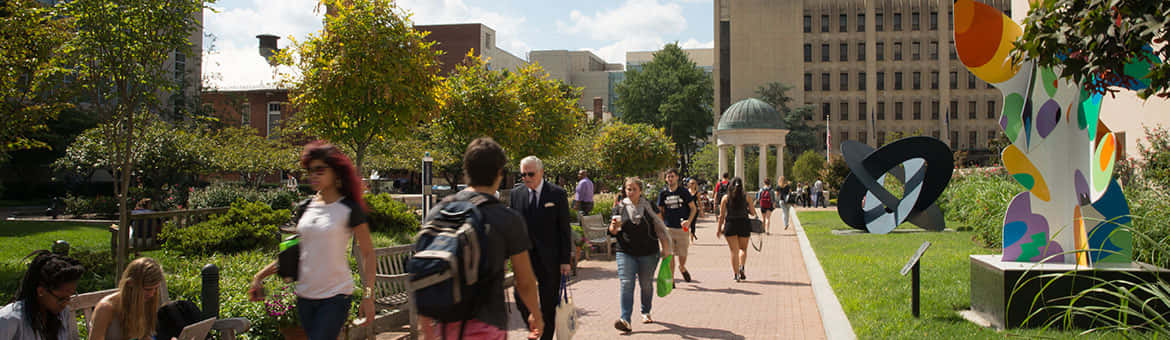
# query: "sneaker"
687, 276
646, 318
736, 276
622, 325
742, 276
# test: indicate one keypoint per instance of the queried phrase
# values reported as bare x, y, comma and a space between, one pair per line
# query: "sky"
608, 28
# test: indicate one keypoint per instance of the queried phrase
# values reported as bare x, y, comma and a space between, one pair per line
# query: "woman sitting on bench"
41, 310
132, 312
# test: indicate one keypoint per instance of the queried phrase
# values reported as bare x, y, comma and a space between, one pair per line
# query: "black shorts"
737, 226
767, 209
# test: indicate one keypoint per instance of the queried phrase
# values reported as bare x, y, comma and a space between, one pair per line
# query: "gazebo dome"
751, 113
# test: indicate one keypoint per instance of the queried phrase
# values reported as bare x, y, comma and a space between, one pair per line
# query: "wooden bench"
84, 305
146, 227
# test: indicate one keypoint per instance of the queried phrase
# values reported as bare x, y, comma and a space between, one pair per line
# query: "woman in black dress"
734, 222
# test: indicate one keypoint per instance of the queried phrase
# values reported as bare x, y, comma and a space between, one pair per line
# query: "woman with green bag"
641, 237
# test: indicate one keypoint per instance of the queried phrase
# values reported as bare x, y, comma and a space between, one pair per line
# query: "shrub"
77, 205
603, 204
1150, 208
391, 216
979, 202
222, 195
246, 226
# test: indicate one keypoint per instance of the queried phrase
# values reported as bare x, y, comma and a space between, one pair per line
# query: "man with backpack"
478, 310
721, 190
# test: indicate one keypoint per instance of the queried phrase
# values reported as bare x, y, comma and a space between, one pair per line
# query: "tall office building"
875, 68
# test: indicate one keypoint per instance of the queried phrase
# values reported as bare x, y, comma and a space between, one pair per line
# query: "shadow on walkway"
692, 332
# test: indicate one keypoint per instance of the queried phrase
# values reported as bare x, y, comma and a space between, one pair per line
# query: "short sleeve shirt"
13, 326
676, 205
326, 230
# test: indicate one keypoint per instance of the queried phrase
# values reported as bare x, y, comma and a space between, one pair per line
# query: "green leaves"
808, 167
633, 149
30, 71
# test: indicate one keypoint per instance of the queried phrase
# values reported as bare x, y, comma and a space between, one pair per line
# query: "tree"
367, 76
1100, 43
574, 158
801, 137
30, 73
808, 166
835, 172
524, 111
242, 151
705, 163
633, 149
672, 93
167, 155
119, 50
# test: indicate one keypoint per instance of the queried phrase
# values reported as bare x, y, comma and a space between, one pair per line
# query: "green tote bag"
665, 277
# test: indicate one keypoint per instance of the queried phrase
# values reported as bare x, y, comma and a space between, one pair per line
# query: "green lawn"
18, 239
863, 270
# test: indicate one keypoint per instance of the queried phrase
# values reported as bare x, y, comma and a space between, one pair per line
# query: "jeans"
784, 211
323, 319
643, 267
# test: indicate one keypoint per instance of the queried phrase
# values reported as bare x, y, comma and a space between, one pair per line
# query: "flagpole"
828, 136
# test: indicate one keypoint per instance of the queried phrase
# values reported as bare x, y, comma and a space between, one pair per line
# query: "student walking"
818, 190
677, 208
332, 217
641, 238
583, 195
766, 196
734, 223
786, 196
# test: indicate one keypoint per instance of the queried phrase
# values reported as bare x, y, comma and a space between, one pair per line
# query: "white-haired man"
545, 208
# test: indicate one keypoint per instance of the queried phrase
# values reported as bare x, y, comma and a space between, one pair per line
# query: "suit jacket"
548, 226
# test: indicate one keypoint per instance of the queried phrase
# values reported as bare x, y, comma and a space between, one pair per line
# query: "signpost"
426, 183
912, 267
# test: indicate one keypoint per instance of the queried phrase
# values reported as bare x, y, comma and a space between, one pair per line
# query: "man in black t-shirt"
677, 208
483, 163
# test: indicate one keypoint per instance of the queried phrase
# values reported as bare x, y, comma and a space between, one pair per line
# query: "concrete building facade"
456, 40
582, 69
870, 69
704, 58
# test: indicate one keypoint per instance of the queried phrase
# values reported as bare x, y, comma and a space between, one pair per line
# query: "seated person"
41, 307
132, 312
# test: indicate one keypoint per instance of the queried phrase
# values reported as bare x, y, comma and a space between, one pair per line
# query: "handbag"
665, 277
566, 323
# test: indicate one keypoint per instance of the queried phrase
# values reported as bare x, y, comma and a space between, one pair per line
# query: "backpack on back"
448, 270
766, 198
175, 315
721, 189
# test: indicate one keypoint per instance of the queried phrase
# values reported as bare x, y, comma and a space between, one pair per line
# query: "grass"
863, 270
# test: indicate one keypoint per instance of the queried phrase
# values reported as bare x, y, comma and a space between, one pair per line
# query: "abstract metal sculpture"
922, 164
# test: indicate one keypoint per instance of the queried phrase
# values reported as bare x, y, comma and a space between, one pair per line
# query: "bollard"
61, 248
209, 293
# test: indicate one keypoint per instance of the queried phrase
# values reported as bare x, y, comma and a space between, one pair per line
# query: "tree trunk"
359, 158
127, 140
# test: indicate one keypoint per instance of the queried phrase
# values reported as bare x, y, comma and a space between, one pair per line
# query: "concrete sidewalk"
776, 302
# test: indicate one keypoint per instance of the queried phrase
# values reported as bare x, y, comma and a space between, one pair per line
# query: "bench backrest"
147, 226
391, 261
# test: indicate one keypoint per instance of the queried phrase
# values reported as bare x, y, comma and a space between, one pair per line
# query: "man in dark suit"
546, 210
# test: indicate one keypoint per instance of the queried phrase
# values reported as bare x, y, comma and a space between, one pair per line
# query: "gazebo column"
722, 163
739, 161
763, 174
779, 162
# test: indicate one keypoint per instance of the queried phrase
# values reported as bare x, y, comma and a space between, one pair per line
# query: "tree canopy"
801, 136
30, 72
808, 166
633, 149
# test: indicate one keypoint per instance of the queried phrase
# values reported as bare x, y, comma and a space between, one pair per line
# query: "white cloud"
695, 1
635, 18
434, 12
235, 60
695, 43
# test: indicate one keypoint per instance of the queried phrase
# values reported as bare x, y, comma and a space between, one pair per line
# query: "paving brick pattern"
776, 302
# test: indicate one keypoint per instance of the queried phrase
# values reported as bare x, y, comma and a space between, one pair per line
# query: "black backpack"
175, 315
448, 269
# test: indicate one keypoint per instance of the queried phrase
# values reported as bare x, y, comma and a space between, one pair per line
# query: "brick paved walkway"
776, 302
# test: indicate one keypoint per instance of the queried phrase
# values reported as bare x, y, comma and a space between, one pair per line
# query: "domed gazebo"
751, 122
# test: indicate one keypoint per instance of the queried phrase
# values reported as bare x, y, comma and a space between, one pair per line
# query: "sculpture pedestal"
993, 282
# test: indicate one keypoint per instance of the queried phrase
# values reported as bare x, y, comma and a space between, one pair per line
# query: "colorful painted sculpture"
1060, 150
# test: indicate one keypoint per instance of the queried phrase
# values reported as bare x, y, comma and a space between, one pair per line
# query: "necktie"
532, 202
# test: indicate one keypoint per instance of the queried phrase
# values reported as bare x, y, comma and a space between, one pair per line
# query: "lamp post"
426, 183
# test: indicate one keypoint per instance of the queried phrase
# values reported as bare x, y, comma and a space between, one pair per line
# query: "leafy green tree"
801, 136
1094, 41
367, 77
30, 73
119, 51
168, 155
835, 172
808, 166
242, 151
705, 162
633, 149
577, 155
672, 93
1155, 164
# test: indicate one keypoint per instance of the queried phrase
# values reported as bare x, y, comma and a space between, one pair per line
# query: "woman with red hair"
333, 216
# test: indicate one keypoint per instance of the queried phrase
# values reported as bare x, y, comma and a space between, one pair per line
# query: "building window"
274, 110
863, 137
881, 81
180, 67
954, 140
861, 52
808, 85
934, 111
897, 22
934, 80
861, 22
970, 80
844, 52
973, 139
933, 21
881, 111
953, 55
917, 110
917, 80
933, 50
880, 53
844, 81
844, 111
990, 109
915, 50
898, 50
824, 52
824, 81
971, 110
843, 23
825, 23
914, 21
897, 110
878, 25
950, 19
825, 108
954, 80
245, 113
881, 138
808, 113
861, 112
844, 136
861, 81
807, 24
897, 80
954, 112
807, 53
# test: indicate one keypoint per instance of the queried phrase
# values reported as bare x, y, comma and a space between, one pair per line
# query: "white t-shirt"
326, 231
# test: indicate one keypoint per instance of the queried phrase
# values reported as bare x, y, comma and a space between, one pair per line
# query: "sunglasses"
528, 174
318, 170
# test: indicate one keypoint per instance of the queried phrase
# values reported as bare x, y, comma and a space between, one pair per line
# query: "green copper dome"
751, 113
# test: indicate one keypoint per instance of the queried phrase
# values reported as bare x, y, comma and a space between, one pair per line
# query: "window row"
843, 112
972, 141
879, 51
915, 81
897, 21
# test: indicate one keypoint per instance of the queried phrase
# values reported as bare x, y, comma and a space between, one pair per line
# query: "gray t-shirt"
13, 326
